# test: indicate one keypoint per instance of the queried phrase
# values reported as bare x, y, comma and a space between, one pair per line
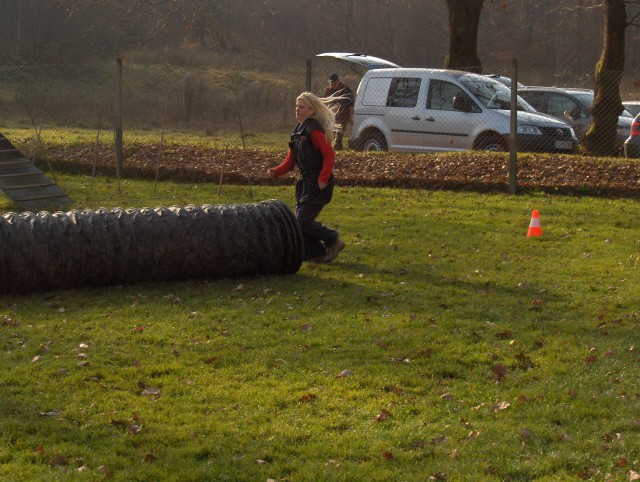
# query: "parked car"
632, 106
632, 144
572, 105
505, 80
418, 109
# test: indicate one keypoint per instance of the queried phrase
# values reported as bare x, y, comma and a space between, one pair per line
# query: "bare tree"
607, 106
464, 19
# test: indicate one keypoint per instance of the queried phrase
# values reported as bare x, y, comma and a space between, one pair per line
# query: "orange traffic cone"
534, 226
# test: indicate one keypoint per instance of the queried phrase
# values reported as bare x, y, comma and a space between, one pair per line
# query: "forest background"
555, 40
203, 63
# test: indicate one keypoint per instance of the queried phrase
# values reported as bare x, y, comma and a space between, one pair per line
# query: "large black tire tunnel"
47, 251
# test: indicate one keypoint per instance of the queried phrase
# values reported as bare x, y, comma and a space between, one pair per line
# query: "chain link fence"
411, 110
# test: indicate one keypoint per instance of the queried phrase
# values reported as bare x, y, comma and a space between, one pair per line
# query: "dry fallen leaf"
395, 389
499, 372
104, 470
438, 440
536, 305
8, 321
344, 374
58, 460
383, 415
386, 455
438, 476
173, 299
526, 434
500, 406
153, 392
591, 359
52, 413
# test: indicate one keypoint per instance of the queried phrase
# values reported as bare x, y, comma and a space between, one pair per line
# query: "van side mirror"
460, 102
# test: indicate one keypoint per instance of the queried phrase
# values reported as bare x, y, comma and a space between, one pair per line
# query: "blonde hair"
323, 112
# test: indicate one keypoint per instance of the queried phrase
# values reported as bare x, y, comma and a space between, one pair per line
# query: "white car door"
446, 128
403, 114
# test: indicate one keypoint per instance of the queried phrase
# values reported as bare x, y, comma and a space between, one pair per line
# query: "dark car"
632, 106
503, 79
632, 144
572, 105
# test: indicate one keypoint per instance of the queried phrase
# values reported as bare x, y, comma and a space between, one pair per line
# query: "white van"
418, 109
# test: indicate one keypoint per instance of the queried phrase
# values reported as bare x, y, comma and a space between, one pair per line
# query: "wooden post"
513, 145
118, 119
308, 78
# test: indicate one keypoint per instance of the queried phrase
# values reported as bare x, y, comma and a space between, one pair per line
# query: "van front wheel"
492, 144
374, 143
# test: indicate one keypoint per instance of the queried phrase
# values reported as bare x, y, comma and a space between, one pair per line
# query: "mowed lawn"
443, 344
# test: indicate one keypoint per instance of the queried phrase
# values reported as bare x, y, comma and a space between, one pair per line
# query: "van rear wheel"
374, 143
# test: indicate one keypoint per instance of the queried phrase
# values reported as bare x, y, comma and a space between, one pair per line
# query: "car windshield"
633, 108
493, 94
584, 98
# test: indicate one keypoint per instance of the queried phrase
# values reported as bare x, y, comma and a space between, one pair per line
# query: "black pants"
310, 200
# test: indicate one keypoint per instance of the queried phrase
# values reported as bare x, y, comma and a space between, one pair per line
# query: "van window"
403, 92
376, 90
441, 94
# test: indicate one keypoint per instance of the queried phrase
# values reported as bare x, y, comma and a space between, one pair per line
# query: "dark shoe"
319, 259
334, 250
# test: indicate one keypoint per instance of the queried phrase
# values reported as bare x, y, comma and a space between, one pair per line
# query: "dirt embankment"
478, 171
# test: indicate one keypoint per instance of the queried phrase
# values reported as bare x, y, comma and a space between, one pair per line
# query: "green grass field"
443, 344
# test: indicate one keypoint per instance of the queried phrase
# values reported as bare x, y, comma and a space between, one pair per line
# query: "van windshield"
493, 94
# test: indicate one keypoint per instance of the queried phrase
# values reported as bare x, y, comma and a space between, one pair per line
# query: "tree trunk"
580, 36
607, 106
528, 23
390, 34
464, 19
350, 24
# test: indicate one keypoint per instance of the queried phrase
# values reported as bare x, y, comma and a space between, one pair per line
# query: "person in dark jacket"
343, 105
311, 151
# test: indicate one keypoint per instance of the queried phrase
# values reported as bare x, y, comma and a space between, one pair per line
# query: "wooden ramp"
25, 184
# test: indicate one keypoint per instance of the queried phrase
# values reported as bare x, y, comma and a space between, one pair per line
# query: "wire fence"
407, 110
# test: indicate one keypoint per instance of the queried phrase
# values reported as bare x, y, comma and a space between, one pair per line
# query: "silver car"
572, 105
419, 109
